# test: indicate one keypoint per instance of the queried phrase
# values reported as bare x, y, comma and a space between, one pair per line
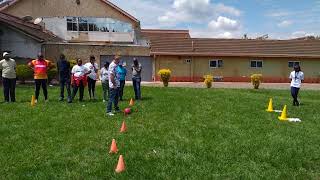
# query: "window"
256, 64
72, 24
291, 64
215, 63
97, 25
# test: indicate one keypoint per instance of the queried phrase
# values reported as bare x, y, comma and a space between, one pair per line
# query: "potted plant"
208, 79
165, 75
256, 80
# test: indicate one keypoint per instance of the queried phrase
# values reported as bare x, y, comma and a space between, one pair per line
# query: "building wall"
19, 44
72, 52
236, 68
58, 26
60, 8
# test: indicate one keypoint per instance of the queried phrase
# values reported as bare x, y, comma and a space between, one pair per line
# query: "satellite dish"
27, 18
37, 21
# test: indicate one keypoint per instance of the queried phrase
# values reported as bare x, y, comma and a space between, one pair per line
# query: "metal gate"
145, 61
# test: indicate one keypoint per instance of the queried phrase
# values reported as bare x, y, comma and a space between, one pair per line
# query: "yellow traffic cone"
270, 106
33, 101
131, 102
283, 116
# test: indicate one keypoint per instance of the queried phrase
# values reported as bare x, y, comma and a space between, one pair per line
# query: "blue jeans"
114, 99
294, 94
136, 82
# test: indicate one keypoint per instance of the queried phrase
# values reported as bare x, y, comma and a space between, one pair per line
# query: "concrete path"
231, 85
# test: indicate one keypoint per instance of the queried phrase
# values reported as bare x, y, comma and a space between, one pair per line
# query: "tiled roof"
169, 44
12, 2
34, 31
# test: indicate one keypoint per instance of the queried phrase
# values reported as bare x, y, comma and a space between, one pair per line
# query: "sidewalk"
230, 85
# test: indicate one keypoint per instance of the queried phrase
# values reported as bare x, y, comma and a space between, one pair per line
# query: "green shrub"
52, 74
24, 73
72, 63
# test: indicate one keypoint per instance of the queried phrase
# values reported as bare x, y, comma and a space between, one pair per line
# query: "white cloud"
299, 34
195, 11
224, 23
285, 23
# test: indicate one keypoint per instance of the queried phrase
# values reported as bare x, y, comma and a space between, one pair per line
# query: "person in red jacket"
40, 67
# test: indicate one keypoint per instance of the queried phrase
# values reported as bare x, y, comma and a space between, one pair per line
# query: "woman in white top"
104, 77
79, 78
297, 78
92, 77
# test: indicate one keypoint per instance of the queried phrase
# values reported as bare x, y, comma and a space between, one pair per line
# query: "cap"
5, 53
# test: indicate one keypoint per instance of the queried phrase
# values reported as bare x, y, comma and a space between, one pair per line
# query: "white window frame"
256, 60
294, 63
217, 63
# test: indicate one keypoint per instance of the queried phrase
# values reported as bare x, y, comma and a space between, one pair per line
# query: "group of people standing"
112, 76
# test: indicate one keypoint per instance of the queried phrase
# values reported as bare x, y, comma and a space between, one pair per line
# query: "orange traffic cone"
33, 101
283, 116
113, 148
121, 166
123, 127
131, 102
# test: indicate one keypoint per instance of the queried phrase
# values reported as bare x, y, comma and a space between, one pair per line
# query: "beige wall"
52, 52
235, 67
59, 8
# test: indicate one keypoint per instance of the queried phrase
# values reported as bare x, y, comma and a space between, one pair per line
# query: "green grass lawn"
176, 134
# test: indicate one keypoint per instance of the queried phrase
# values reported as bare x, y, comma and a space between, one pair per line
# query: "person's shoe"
297, 103
36, 101
117, 111
69, 100
104, 101
110, 114
46, 101
61, 99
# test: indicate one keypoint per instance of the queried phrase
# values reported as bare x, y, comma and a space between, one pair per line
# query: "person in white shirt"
8, 67
297, 77
114, 86
79, 78
92, 77
104, 77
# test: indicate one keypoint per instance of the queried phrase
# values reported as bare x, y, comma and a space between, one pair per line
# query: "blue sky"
280, 19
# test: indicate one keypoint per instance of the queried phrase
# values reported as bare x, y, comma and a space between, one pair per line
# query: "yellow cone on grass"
33, 101
283, 116
270, 106
131, 102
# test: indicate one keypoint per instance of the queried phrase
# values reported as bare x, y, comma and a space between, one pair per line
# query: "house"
23, 39
95, 27
100, 28
232, 59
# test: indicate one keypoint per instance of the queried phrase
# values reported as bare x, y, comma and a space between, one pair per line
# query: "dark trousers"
122, 84
136, 82
114, 99
41, 83
65, 83
75, 90
294, 94
9, 89
105, 88
91, 87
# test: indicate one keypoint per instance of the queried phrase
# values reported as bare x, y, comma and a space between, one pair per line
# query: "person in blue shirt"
122, 71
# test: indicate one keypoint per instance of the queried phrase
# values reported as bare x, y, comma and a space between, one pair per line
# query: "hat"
117, 57
5, 53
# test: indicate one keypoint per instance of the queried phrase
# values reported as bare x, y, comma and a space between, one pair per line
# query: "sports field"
176, 133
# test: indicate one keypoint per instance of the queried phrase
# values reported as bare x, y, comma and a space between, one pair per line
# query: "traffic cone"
283, 116
120, 166
113, 148
123, 127
131, 102
270, 106
33, 101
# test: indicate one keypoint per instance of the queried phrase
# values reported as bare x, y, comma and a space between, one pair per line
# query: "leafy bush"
52, 73
208, 79
24, 73
256, 80
72, 63
165, 75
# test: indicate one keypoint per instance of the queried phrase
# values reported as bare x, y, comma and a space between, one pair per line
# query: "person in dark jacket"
64, 76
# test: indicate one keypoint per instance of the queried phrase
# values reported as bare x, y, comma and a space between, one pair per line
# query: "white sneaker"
104, 101
110, 114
